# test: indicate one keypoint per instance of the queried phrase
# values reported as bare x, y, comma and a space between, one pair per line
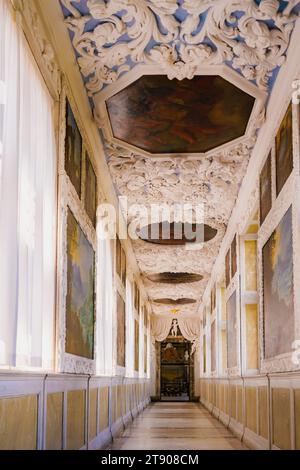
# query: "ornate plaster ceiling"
119, 41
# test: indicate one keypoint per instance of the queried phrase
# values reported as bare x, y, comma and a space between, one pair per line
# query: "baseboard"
254, 441
236, 428
134, 412
101, 441
224, 418
117, 427
216, 412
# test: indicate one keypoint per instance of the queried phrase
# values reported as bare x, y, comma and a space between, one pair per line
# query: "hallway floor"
176, 426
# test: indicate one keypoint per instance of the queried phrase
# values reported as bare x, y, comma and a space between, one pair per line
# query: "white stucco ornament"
154, 35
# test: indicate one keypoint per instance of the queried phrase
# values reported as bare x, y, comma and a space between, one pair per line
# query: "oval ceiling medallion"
176, 233
174, 278
174, 301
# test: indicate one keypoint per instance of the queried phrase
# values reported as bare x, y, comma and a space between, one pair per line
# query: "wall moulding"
40, 45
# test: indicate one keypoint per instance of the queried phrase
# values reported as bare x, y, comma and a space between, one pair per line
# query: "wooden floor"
176, 426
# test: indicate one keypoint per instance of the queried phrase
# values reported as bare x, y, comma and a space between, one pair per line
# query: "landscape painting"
265, 183
278, 289
73, 150
284, 150
80, 300
90, 191
231, 331
121, 332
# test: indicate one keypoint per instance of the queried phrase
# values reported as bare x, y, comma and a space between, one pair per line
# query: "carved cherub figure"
174, 329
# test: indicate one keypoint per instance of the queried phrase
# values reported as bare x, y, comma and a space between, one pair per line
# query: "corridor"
174, 426
150, 225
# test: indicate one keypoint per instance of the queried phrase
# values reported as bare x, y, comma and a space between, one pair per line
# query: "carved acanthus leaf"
252, 38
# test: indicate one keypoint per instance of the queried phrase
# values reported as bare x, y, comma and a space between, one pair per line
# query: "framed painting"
73, 150
90, 190
213, 298
136, 298
233, 257
118, 257
136, 345
172, 117
80, 300
278, 289
145, 354
231, 331
227, 268
145, 318
121, 338
265, 185
284, 150
123, 267
213, 346
204, 354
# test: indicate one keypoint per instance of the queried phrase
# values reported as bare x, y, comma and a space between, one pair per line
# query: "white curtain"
27, 205
160, 327
189, 327
105, 304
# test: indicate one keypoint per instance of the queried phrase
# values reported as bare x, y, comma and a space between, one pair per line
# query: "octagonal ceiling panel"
170, 116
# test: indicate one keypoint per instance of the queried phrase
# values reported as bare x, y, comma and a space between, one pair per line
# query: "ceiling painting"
170, 116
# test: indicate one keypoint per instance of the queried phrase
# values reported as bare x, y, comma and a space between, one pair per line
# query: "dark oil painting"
233, 257
265, 183
284, 150
80, 292
90, 191
121, 331
170, 116
213, 298
118, 257
231, 331
73, 150
227, 268
278, 289
123, 267
136, 298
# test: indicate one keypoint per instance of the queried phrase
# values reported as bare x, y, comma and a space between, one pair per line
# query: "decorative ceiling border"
179, 36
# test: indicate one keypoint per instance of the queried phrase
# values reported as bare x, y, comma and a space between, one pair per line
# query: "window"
27, 205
